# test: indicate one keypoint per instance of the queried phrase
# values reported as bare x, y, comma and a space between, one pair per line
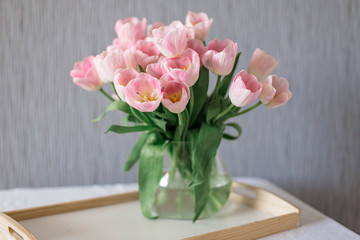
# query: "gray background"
310, 147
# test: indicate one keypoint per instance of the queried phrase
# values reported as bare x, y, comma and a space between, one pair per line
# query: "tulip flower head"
275, 92
133, 58
176, 96
153, 26
185, 68
245, 89
107, 62
155, 69
129, 32
148, 47
197, 46
172, 40
85, 76
220, 56
262, 64
165, 79
201, 24
121, 79
144, 93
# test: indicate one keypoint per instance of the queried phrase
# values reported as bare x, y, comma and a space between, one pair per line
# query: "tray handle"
262, 199
12, 230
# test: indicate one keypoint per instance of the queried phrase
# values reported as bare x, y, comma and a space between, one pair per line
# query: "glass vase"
175, 199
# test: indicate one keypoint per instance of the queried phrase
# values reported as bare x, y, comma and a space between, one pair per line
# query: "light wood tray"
250, 213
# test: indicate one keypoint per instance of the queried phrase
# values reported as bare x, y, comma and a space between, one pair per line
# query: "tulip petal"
220, 56
85, 75
176, 96
144, 93
245, 89
262, 64
275, 92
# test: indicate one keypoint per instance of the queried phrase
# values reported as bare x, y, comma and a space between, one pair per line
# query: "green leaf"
200, 89
207, 143
172, 118
135, 152
150, 172
214, 108
123, 129
193, 136
127, 119
117, 105
160, 123
224, 85
236, 127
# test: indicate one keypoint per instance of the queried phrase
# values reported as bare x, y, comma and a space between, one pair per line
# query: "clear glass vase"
175, 199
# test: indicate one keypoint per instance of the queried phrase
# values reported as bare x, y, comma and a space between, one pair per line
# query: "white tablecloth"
314, 225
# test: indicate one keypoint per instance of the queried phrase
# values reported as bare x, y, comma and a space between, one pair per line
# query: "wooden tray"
250, 213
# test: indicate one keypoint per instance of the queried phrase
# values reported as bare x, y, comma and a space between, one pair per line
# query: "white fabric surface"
314, 225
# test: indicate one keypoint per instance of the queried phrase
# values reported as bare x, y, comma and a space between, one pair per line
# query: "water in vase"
175, 200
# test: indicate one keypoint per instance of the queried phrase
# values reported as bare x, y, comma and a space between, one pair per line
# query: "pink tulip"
176, 96
144, 93
133, 58
171, 40
165, 79
220, 56
153, 26
129, 32
197, 46
121, 79
245, 89
85, 76
112, 47
262, 64
275, 92
155, 69
185, 68
107, 62
147, 47
201, 24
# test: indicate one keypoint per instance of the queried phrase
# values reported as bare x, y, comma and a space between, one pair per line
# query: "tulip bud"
275, 92
245, 89
171, 40
262, 64
220, 56
201, 24
129, 32
85, 76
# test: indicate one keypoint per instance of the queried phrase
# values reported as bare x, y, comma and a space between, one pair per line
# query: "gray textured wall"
310, 147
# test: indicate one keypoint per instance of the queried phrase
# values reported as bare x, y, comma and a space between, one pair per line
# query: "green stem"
217, 86
180, 126
147, 116
106, 95
186, 123
173, 169
136, 115
229, 108
245, 111
191, 100
160, 115
115, 91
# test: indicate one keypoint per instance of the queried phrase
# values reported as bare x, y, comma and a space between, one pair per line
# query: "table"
314, 225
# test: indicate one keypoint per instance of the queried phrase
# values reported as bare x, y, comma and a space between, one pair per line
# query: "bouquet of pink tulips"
160, 77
